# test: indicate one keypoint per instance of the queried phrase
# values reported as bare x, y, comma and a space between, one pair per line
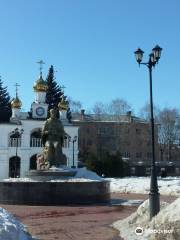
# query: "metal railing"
14, 142
34, 142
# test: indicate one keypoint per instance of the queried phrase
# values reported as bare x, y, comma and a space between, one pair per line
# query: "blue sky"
91, 45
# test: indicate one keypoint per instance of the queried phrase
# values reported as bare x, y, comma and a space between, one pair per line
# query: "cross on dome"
41, 66
17, 85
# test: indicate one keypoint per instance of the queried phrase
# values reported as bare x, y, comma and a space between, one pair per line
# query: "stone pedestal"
48, 175
54, 193
55, 186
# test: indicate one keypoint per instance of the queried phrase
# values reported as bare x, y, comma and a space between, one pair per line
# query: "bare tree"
74, 105
118, 107
169, 130
112, 110
99, 110
145, 112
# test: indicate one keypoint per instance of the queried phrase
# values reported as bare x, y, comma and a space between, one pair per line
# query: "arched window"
14, 167
66, 141
35, 140
15, 138
33, 165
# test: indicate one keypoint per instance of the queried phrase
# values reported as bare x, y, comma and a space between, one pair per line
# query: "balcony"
14, 142
34, 142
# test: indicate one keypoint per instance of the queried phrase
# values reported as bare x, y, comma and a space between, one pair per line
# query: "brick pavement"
75, 222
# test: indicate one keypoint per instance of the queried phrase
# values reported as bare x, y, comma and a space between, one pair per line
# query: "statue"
52, 138
41, 164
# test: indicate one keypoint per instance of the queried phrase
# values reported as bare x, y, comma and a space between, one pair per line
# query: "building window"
148, 171
126, 154
149, 155
35, 140
89, 142
126, 130
66, 142
102, 131
83, 142
138, 131
14, 140
107, 130
133, 170
139, 142
139, 155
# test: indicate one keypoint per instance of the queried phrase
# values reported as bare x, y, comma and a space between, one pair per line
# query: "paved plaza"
77, 222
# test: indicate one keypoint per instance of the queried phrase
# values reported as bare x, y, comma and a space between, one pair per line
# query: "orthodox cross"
16, 85
41, 66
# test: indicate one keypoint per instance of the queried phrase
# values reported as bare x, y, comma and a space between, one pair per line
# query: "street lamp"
154, 203
17, 134
73, 141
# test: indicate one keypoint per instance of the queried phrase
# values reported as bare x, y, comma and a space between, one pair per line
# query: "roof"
78, 117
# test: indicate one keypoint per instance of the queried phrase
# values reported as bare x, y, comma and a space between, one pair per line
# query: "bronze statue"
52, 138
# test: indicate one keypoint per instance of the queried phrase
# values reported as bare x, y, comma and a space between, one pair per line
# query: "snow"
167, 186
18, 180
11, 228
165, 225
167, 222
82, 175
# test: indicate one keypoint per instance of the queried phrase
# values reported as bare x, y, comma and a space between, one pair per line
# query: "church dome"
40, 85
16, 103
63, 105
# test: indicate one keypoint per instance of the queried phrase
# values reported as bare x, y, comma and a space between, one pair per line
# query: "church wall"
72, 131
4, 164
25, 151
5, 131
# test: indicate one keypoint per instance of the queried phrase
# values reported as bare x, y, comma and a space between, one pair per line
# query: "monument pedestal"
59, 187
48, 175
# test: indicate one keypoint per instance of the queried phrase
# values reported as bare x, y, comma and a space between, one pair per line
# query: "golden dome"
63, 105
16, 103
40, 85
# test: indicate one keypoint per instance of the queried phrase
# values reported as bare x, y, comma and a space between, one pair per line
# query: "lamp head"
152, 59
139, 55
157, 52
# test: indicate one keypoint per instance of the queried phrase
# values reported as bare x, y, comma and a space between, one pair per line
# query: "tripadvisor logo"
139, 231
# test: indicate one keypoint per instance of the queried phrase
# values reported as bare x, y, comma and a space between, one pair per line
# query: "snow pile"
163, 226
82, 175
11, 228
167, 186
130, 184
87, 174
18, 180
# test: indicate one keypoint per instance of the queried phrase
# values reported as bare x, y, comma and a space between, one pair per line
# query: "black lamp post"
73, 141
17, 134
154, 203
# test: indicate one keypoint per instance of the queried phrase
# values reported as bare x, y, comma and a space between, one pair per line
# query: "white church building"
20, 139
